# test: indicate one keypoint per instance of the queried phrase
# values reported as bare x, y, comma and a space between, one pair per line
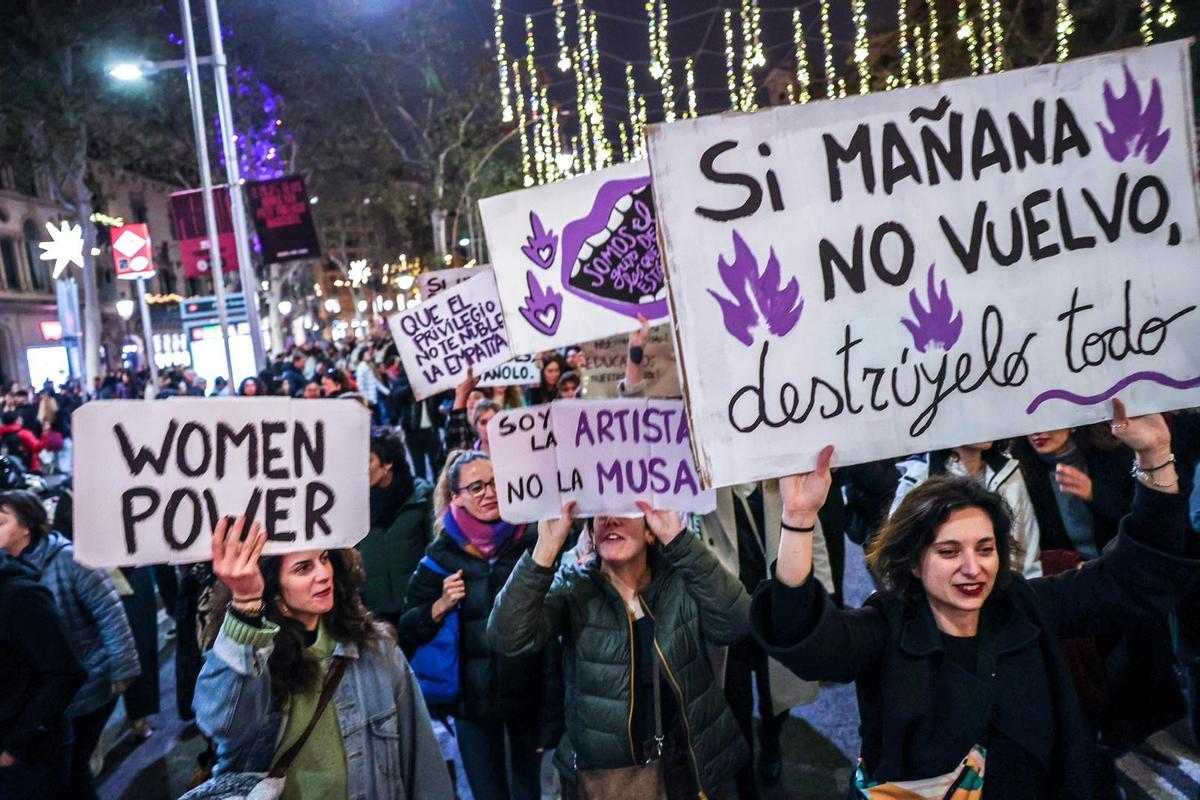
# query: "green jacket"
695, 603
390, 555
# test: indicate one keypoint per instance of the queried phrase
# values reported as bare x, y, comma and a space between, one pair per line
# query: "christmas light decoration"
1147, 17
985, 29
64, 248
935, 69
918, 55
861, 50
524, 135
997, 36
560, 32
1064, 26
730, 76
600, 147
827, 41
802, 76
660, 57
752, 53
690, 73
905, 53
535, 114
359, 272
1166, 14
966, 33
624, 135
506, 111
584, 148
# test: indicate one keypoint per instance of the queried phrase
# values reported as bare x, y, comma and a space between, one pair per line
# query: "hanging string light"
905, 55
935, 69
506, 111
525, 160
639, 139
581, 96
690, 72
985, 29
730, 76
919, 51
664, 59
831, 82
746, 79
652, 27
550, 148
560, 31
1147, 18
600, 144
802, 76
556, 131
631, 101
1064, 26
1166, 14
535, 113
624, 134
966, 33
997, 36
862, 52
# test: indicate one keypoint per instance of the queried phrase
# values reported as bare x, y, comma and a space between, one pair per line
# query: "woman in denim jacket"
291, 616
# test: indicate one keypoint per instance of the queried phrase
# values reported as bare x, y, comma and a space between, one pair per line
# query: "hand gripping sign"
152, 479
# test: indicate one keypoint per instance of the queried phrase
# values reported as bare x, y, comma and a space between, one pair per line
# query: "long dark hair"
898, 547
348, 623
549, 392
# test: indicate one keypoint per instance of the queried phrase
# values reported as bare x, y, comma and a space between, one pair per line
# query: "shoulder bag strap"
332, 679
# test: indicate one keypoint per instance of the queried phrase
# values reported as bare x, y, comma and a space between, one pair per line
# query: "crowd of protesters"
1037, 611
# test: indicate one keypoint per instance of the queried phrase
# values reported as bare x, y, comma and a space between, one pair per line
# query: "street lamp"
125, 308
285, 307
405, 282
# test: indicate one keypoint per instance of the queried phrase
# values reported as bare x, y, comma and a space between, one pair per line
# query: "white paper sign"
576, 260
604, 454
521, 371
605, 367
919, 269
152, 479
435, 281
440, 339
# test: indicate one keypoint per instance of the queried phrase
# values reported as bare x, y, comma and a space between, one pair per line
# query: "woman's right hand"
454, 589
552, 535
235, 560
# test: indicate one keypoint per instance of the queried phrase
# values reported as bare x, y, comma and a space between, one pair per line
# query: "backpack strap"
433, 566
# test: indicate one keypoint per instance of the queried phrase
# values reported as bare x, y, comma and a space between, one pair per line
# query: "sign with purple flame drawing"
919, 269
576, 260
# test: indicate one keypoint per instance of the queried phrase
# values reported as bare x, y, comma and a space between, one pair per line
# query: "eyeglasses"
477, 489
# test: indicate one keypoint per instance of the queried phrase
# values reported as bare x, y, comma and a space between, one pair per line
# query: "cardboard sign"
189, 229
918, 269
578, 259
435, 281
151, 482
521, 371
606, 365
604, 454
283, 219
459, 328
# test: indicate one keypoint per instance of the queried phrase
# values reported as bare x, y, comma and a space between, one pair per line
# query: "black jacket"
38, 670
920, 715
495, 688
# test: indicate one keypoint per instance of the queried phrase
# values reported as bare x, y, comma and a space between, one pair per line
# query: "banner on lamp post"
283, 219
133, 254
190, 230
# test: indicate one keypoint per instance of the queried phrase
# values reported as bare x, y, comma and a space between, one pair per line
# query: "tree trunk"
438, 218
91, 287
276, 319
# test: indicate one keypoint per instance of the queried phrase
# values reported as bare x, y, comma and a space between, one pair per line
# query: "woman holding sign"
646, 717
958, 660
303, 682
499, 698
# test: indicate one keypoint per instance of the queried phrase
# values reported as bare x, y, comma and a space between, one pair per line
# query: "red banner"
132, 253
190, 230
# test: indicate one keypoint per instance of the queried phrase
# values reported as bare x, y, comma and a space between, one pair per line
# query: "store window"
38, 269
12, 270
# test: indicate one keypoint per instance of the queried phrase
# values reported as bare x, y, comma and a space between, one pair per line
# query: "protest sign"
918, 269
612, 454
435, 281
605, 365
283, 219
578, 259
459, 328
521, 371
151, 482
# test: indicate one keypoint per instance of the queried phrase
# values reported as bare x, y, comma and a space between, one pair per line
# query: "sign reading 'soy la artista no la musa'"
919, 269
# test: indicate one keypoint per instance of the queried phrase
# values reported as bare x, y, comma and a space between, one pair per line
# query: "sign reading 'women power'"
152, 479
604, 454
925, 268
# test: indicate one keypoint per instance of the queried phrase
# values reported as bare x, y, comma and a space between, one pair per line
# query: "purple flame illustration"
543, 307
542, 245
939, 327
780, 308
1135, 131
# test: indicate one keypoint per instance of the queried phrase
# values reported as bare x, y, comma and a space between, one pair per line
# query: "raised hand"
235, 559
552, 535
804, 494
465, 388
1145, 435
1074, 482
454, 589
639, 337
665, 525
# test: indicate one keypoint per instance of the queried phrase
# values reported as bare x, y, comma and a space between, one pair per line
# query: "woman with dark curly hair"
958, 660
295, 631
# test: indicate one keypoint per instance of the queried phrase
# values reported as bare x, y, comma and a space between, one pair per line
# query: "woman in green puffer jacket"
652, 598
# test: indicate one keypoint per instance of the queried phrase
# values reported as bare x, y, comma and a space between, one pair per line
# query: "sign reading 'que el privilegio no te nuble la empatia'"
920, 269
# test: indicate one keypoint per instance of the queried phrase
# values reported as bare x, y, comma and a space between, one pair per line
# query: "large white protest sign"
152, 479
440, 339
604, 454
919, 269
578, 259
521, 371
605, 365
435, 281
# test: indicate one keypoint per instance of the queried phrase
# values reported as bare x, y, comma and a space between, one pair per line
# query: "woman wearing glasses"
464, 569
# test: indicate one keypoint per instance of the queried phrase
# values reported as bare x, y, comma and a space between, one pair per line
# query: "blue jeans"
493, 775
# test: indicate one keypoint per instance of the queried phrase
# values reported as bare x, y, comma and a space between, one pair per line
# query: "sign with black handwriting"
604, 454
153, 478
919, 269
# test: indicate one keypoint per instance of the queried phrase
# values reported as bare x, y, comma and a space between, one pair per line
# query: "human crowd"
1036, 615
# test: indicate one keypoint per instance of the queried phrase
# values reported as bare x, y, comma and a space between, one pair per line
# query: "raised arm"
531, 609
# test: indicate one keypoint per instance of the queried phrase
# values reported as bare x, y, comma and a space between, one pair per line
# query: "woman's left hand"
665, 525
1147, 435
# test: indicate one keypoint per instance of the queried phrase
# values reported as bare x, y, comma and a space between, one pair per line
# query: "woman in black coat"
960, 650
